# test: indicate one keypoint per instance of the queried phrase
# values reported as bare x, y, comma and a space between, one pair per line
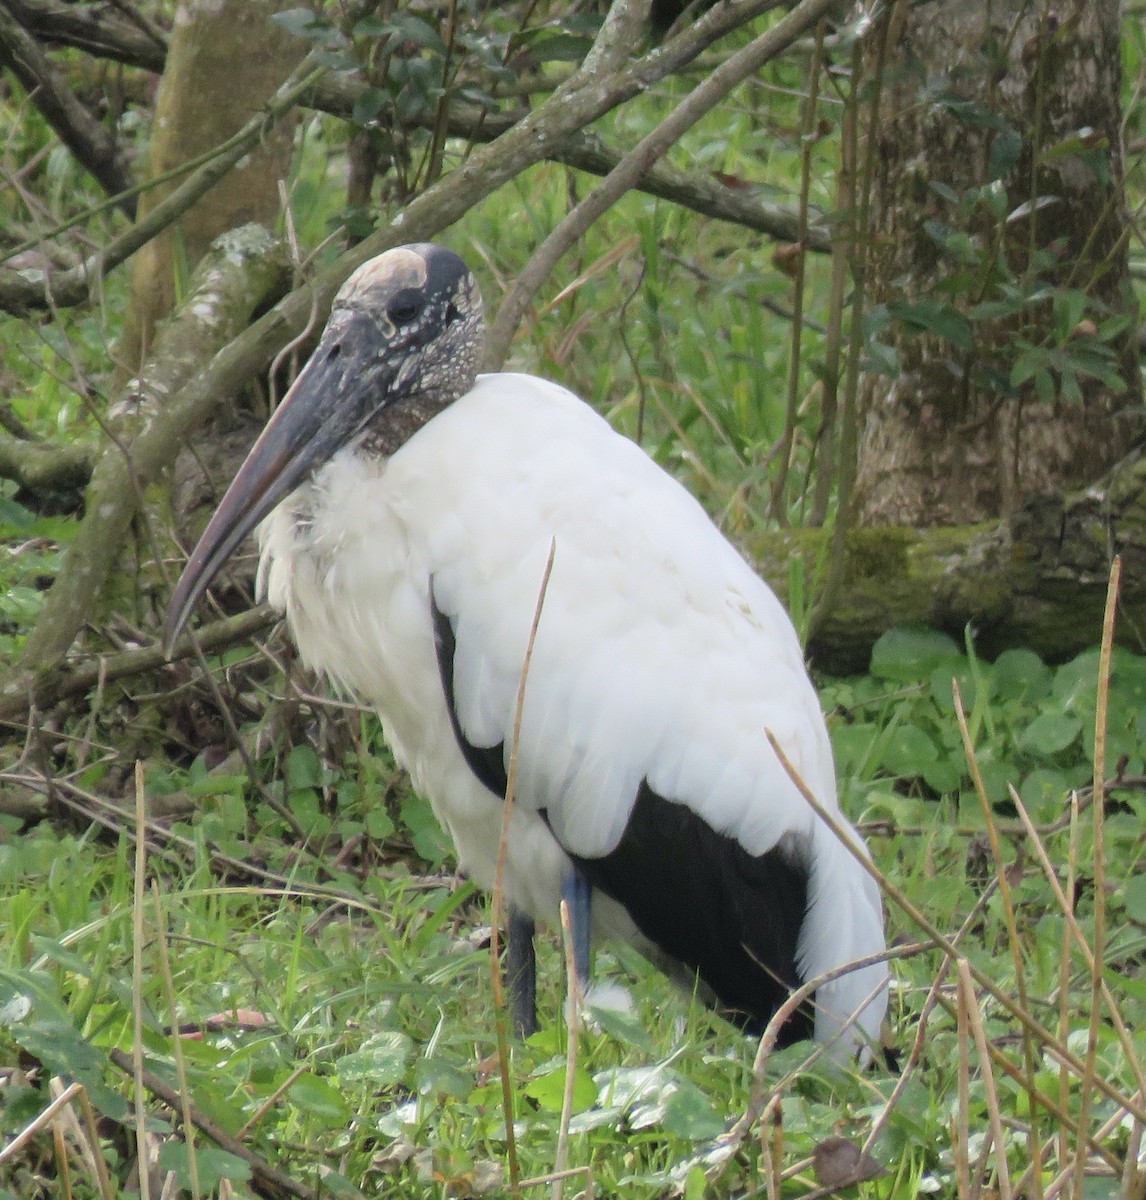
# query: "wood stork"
409, 508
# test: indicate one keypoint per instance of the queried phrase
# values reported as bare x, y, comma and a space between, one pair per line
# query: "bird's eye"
404, 309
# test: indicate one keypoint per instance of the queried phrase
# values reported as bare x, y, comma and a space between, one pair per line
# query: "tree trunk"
225, 60
998, 262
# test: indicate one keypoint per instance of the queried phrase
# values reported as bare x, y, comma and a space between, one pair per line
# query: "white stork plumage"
410, 509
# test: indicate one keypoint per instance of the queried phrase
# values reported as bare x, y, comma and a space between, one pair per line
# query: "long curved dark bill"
324, 409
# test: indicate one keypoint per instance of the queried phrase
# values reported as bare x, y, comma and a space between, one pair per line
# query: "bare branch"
83, 135
455, 194
50, 688
585, 151
95, 30
108, 36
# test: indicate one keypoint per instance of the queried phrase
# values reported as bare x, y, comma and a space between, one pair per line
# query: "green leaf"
1045, 793
381, 1059
1134, 897
549, 1090
1027, 207
213, 1165
369, 104
942, 776
320, 1098
299, 21
995, 310
559, 47
439, 1077
1077, 680
1020, 675
852, 744
695, 1183
379, 824
1006, 149
688, 1114
909, 751
622, 1026
425, 832
1070, 306
942, 691
303, 768
929, 316
908, 654
1050, 733
63, 1051
409, 28
881, 359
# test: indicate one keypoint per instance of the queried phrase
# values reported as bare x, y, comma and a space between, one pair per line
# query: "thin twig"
1009, 918
39, 1122
176, 1040
970, 1005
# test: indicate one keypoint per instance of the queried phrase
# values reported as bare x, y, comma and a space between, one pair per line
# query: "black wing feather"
732, 917
486, 762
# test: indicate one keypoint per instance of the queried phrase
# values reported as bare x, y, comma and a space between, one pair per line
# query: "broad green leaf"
907, 655
303, 768
688, 1114
320, 1098
1134, 897
1020, 675
213, 1165
549, 1090
930, 316
908, 751
382, 1059
1050, 733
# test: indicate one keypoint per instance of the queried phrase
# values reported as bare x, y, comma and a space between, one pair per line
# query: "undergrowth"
338, 1022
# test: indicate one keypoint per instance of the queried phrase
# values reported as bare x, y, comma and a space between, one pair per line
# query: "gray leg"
577, 892
521, 973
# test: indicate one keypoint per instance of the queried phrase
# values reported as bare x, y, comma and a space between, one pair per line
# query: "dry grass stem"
176, 1041
1030, 1054
1098, 814
497, 917
137, 929
1052, 1045
573, 1009
969, 1006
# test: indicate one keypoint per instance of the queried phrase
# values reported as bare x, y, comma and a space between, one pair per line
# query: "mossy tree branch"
241, 273
40, 468
1036, 579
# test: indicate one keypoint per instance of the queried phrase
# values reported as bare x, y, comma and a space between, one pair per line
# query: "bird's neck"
395, 424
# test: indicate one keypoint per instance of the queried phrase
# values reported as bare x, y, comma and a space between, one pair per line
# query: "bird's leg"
577, 892
521, 973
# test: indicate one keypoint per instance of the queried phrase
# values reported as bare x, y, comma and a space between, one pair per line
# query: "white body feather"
660, 655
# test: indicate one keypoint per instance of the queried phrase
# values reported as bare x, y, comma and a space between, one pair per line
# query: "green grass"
376, 1023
